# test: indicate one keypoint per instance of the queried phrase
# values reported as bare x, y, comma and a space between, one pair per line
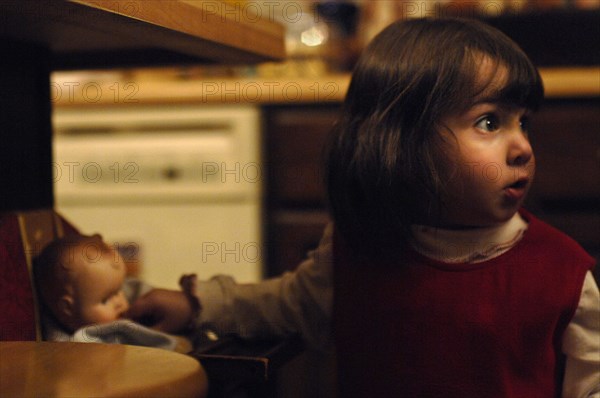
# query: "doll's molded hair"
51, 271
383, 168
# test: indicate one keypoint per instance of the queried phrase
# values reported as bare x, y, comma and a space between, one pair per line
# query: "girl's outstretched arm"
297, 302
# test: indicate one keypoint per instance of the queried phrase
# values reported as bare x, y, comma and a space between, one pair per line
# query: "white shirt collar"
469, 245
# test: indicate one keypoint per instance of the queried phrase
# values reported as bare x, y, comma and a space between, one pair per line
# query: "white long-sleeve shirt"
301, 301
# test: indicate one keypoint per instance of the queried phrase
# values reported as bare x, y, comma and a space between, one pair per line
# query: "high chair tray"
238, 361
65, 369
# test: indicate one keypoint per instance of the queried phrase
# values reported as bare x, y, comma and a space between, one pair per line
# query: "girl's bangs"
523, 86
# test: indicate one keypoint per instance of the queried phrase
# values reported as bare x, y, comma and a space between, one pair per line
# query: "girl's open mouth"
518, 189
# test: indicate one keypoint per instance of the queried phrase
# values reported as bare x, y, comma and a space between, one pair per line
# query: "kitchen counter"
169, 87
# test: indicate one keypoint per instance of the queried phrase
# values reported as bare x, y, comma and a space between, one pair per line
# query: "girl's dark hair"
383, 168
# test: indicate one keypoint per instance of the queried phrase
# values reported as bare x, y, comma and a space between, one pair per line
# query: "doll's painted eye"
108, 298
489, 123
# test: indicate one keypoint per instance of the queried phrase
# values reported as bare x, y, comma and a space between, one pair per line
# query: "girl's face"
491, 160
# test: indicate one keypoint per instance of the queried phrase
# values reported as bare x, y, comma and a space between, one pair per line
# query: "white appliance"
177, 188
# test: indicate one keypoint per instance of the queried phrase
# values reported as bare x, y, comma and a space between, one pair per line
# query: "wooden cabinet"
559, 37
296, 212
295, 139
565, 135
566, 138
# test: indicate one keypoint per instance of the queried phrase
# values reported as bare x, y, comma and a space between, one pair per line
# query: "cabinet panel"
294, 234
566, 191
296, 137
566, 140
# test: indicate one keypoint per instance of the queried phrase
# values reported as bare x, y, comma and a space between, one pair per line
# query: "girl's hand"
165, 310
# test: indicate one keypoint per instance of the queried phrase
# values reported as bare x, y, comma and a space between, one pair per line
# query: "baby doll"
81, 282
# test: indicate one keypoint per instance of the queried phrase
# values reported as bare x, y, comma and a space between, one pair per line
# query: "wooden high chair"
32, 367
23, 235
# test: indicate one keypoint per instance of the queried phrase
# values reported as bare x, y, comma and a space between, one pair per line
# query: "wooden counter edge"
571, 82
214, 21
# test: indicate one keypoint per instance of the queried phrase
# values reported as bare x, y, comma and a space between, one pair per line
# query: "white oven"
176, 188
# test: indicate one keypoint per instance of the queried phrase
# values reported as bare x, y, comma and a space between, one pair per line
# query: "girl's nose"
520, 151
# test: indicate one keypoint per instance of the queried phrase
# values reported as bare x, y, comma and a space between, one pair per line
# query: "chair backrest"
23, 235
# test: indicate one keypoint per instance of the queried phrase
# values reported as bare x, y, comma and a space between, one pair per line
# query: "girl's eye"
524, 123
488, 123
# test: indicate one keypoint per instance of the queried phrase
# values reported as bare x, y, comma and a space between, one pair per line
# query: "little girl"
433, 279
459, 292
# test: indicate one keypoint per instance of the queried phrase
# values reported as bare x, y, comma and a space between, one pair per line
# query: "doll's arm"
581, 345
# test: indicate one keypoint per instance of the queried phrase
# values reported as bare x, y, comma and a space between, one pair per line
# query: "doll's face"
96, 288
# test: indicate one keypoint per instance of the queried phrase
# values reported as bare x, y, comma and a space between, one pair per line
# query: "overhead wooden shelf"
115, 33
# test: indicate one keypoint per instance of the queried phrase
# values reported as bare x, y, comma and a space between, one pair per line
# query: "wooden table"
52, 369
